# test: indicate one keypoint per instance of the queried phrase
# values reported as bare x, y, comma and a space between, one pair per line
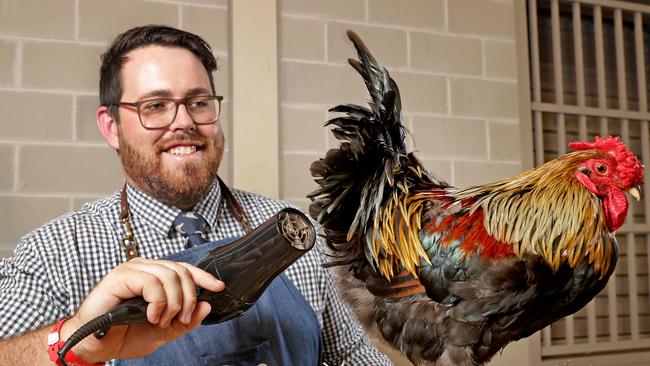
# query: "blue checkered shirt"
55, 266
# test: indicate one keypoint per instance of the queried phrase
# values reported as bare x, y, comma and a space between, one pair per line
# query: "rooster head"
611, 170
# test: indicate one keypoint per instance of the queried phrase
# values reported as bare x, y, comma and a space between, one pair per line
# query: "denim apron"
280, 329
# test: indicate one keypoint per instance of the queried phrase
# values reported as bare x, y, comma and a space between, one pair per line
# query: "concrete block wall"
455, 64
52, 159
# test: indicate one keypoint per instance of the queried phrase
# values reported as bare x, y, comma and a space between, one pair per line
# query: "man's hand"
169, 288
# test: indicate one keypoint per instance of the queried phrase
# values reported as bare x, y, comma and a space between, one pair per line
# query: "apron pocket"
256, 355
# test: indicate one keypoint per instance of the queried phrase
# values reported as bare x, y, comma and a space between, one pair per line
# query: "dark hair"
110, 81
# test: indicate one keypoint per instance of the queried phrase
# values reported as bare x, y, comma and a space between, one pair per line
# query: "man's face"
176, 164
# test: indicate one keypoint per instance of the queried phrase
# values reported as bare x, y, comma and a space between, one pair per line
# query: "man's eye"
199, 103
154, 106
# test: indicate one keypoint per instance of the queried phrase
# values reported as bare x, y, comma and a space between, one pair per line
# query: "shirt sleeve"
28, 301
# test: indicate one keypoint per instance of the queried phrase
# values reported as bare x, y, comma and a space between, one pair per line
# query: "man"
160, 113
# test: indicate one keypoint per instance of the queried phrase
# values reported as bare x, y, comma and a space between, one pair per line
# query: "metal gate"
589, 65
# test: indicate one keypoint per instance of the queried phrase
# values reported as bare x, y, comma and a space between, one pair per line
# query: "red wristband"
54, 344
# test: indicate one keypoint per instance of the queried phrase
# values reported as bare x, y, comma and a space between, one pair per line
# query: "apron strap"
235, 208
129, 244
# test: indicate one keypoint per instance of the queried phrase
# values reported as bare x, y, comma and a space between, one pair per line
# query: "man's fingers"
203, 279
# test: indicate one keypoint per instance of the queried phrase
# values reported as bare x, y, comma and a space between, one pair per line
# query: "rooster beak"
635, 192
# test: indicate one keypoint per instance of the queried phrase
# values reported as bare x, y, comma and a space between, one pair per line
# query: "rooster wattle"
447, 275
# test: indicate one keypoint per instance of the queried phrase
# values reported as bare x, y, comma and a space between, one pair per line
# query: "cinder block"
222, 76
302, 38
320, 84
469, 173
504, 141
52, 18
206, 2
7, 61
332, 9
297, 182
387, 45
61, 65
449, 54
68, 169
482, 17
85, 124
450, 137
483, 98
36, 116
6, 167
302, 129
209, 23
78, 202
28, 213
104, 20
413, 13
421, 92
500, 60
440, 169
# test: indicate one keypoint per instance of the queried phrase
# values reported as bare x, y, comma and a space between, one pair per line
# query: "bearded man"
159, 111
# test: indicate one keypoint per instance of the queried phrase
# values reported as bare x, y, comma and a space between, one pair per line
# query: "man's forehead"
153, 51
166, 71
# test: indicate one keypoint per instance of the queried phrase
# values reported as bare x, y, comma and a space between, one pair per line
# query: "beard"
182, 188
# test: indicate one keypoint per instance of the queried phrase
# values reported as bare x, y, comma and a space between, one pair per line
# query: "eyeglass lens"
161, 112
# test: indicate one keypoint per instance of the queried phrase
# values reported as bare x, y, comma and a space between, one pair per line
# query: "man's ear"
107, 127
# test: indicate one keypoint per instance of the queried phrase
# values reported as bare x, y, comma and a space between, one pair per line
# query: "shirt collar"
161, 216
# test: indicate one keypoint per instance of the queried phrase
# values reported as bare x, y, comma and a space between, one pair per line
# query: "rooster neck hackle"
562, 223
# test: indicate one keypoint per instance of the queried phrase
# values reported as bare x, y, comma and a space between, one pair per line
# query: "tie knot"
192, 227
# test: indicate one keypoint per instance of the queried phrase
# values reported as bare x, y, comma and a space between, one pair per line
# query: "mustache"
181, 137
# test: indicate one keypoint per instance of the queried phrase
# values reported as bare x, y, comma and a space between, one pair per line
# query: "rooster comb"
629, 168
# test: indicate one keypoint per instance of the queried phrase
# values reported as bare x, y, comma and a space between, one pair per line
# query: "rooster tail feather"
369, 168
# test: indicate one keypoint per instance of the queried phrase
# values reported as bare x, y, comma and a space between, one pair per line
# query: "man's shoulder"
257, 202
98, 211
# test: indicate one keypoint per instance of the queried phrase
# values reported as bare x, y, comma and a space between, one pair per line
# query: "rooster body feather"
449, 276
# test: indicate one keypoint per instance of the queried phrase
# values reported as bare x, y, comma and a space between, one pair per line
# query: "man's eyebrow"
164, 93
198, 91
161, 93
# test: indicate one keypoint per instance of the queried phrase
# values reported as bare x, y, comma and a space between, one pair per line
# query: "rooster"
449, 276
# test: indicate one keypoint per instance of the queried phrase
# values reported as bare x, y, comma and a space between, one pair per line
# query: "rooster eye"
601, 169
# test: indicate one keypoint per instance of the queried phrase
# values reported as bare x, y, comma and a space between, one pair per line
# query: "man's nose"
183, 120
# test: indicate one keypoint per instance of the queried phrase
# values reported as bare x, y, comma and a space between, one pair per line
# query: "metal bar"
537, 84
580, 68
575, 349
534, 50
539, 138
640, 62
558, 75
526, 131
645, 158
546, 337
621, 82
568, 328
591, 322
632, 286
612, 306
600, 66
620, 59
589, 111
643, 104
557, 52
625, 5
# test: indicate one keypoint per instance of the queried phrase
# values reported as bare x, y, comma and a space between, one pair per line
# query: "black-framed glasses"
161, 112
